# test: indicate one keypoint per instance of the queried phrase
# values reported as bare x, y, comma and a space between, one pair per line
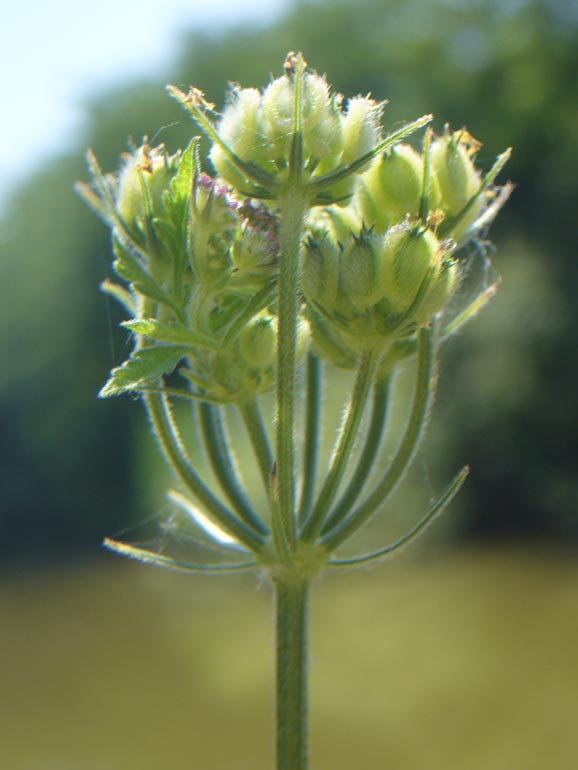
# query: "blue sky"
55, 53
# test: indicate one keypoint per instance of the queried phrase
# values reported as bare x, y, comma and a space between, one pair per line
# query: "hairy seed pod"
454, 170
258, 340
321, 265
362, 127
410, 257
362, 279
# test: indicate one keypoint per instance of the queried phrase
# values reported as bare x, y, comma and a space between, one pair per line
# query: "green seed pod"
328, 343
240, 125
371, 213
321, 266
394, 182
361, 128
278, 107
303, 337
441, 289
336, 222
258, 340
322, 124
455, 172
228, 171
361, 273
229, 376
320, 118
241, 130
459, 230
409, 258
143, 179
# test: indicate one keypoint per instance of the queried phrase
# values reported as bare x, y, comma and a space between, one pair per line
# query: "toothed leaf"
143, 366
174, 333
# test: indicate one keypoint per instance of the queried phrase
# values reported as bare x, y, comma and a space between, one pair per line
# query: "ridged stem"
217, 444
343, 448
368, 456
423, 397
312, 430
292, 619
255, 426
293, 205
167, 435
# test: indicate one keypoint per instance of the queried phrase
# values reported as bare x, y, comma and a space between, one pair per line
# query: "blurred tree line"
507, 70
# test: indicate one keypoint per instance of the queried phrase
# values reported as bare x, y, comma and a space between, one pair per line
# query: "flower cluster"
318, 235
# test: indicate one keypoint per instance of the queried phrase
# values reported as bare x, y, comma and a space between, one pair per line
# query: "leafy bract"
144, 365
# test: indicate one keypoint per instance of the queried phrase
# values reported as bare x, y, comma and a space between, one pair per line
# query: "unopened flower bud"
254, 256
212, 232
143, 179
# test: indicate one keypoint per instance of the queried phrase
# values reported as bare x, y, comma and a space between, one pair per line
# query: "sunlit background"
460, 654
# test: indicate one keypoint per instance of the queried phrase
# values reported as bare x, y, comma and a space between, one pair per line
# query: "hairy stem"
423, 397
312, 428
167, 435
293, 206
291, 612
368, 456
343, 447
217, 444
259, 439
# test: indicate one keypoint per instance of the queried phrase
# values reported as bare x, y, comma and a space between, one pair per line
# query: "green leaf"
175, 333
102, 184
95, 202
332, 177
150, 557
121, 295
172, 227
130, 268
256, 303
144, 365
182, 182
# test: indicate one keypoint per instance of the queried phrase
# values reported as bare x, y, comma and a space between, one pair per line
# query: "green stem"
435, 510
293, 203
312, 429
259, 439
367, 459
167, 435
423, 397
222, 461
291, 610
343, 447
